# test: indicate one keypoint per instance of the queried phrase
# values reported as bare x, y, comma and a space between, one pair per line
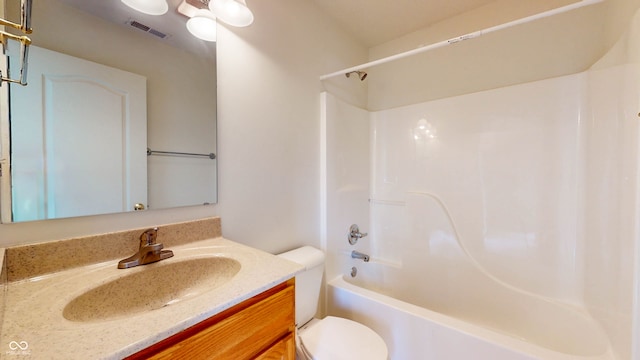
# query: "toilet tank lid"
307, 256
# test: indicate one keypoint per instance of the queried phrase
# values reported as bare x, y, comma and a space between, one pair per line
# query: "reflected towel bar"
211, 156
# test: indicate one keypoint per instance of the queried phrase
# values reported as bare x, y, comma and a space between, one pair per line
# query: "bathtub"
553, 331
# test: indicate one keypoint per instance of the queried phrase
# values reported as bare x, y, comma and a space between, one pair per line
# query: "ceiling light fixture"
150, 7
233, 12
203, 25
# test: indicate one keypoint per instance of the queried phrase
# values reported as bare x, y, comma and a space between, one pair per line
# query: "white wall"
559, 45
269, 130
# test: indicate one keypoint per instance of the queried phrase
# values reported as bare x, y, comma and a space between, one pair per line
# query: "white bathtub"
413, 332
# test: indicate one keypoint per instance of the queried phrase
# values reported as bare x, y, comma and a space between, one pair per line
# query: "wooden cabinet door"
284, 349
259, 328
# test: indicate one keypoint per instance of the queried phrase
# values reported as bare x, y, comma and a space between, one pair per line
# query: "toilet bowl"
337, 338
331, 338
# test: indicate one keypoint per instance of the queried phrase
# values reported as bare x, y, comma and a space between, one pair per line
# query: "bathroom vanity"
214, 298
262, 327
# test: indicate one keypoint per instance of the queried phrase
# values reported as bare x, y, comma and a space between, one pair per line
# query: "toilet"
331, 338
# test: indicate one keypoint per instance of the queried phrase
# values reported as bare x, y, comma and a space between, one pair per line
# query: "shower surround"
513, 210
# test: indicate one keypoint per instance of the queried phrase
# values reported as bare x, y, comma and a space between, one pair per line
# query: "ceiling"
377, 21
171, 24
373, 22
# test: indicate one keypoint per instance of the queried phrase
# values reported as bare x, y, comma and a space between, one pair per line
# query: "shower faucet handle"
355, 234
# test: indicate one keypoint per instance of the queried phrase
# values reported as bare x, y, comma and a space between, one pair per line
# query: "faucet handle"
148, 237
355, 234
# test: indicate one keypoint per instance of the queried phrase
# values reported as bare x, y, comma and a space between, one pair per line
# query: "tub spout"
359, 255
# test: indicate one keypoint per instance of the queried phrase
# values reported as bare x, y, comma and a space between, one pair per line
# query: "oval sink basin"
151, 287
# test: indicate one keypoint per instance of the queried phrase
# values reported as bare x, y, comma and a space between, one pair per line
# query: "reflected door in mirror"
77, 117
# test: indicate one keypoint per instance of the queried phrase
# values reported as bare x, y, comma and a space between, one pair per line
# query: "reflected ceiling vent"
140, 26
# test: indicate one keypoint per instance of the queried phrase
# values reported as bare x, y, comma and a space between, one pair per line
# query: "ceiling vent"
140, 26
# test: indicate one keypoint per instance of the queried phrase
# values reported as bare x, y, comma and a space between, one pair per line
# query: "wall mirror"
65, 163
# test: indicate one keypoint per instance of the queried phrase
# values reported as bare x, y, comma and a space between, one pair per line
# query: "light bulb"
232, 12
232, 8
203, 25
149, 7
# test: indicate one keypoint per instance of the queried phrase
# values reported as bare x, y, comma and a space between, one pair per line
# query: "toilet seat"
334, 338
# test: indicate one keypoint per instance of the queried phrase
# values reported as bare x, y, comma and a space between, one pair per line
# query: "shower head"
361, 74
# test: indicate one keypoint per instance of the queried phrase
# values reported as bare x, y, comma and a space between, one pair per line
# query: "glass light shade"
203, 25
150, 7
233, 12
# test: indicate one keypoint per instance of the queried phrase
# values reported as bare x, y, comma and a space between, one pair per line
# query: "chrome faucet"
149, 251
359, 255
355, 234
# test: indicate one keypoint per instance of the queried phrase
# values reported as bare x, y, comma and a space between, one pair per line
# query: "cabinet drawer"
244, 331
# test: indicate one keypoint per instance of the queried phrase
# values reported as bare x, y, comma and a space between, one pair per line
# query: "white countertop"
33, 312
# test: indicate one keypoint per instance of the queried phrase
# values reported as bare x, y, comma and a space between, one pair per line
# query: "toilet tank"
307, 282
